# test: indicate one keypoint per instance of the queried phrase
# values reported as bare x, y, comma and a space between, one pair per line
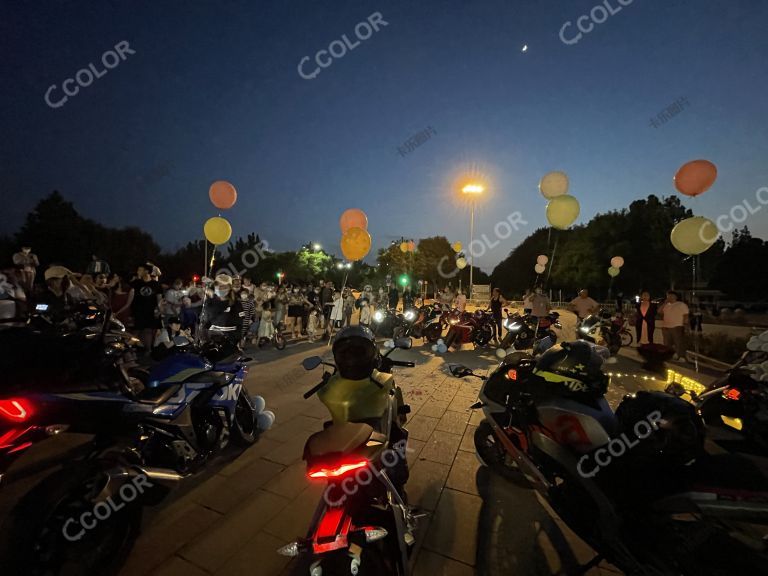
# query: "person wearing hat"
55, 296
223, 312
164, 341
26, 263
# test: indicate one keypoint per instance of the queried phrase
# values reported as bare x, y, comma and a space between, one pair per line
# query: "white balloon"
501, 353
434, 347
754, 344
442, 349
264, 420
764, 336
440, 341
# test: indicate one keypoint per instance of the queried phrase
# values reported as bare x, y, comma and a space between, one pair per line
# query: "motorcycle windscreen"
356, 400
580, 427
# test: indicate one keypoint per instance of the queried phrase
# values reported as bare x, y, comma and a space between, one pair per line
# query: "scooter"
635, 484
362, 525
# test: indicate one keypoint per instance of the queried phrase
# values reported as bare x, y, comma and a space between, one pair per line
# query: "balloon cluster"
223, 195
697, 234
461, 260
541, 263
440, 347
562, 208
355, 239
407, 246
616, 263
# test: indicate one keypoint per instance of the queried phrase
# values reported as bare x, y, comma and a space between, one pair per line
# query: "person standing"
583, 305
675, 315
645, 318
326, 301
407, 298
540, 304
393, 297
497, 302
461, 301
147, 294
26, 264
349, 306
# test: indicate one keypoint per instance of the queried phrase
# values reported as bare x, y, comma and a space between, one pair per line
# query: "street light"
317, 247
340, 265
472, 190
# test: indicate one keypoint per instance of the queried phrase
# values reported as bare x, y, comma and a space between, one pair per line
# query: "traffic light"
404, 280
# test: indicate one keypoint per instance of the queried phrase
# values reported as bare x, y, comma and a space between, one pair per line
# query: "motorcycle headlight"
515, 327
410, 315
378, 316
584, 329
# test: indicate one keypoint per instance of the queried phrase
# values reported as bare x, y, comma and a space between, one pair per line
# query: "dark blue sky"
213, 92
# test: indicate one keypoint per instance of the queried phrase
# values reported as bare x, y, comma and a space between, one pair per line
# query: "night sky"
213, 92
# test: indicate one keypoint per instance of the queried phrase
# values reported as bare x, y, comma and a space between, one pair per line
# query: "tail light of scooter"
16, 409
732, 394
337, 470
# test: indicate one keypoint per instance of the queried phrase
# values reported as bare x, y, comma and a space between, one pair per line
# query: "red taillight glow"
337, 471
512, 374
16, 409
732, 394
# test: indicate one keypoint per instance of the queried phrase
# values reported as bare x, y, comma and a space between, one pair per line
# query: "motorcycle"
529, 332
362, 525
737, 401
150, 430
619, 324
424, 323
469, 327
599, 329
385, 321
636, 484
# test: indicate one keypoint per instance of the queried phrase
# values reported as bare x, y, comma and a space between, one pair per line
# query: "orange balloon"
695, 177
222, 194
355, 243
353, 218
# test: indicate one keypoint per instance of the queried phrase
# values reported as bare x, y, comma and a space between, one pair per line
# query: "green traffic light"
404, 280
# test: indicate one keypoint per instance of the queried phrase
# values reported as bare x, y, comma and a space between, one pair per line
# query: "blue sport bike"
148, 429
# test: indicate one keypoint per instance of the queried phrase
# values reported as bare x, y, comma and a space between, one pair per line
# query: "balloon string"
695, 317
199, 334
552, 259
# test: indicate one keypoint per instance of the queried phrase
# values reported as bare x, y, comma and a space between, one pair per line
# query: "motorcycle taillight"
16, 409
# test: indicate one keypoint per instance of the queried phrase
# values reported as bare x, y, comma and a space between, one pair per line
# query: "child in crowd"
312, 325
266, 327
249, 306
365, 313
337, 313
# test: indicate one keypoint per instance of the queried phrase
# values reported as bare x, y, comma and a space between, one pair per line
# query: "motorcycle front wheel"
626, 338
244, 429
46, 534
493, 455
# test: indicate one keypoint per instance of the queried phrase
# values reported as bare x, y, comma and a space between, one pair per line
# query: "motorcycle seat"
339, 439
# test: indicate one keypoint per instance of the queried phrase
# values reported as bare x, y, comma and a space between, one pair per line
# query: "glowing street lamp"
472, 190
316, 247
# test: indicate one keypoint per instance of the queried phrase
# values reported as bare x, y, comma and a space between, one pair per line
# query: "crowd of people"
157, 310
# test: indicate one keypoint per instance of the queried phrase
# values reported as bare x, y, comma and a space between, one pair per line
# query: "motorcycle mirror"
311, 362
404, 343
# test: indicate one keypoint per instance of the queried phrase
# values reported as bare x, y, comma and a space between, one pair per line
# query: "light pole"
472, 190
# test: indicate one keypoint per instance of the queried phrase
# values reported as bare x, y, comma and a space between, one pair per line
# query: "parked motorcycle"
737, 401
526, 332
362, 525
425, 323
601, 330
150, 430
635, 484
385, 321
469, 327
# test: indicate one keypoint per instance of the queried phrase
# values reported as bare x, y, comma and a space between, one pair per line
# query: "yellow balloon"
562, 211
456, 247
355, 243
613, 271
403, 247
694, 235
553, 184
461, 263
217, 230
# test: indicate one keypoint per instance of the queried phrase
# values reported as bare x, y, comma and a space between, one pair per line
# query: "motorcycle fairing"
580, 427
177, 368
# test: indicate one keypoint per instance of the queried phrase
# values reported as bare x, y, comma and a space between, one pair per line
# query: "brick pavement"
232, 521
